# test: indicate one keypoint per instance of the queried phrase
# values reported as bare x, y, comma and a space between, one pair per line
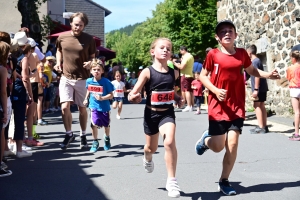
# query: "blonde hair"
153, 44
296, 55
4, 51
96, 63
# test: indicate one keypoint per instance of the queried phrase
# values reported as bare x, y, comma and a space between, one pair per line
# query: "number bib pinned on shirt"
119, 91
162, 97
95, 89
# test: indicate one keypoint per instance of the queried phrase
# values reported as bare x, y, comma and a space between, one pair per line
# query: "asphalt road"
267, 166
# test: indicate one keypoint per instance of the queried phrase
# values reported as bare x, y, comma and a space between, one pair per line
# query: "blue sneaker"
106, 140
95, 146
226, 188
200, 146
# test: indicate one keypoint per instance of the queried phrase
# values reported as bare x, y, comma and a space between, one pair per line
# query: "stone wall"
95, 14
272, 26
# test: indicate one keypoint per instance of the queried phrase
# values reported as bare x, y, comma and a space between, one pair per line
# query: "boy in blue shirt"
99, 91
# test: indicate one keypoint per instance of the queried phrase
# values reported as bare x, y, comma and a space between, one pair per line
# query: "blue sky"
127, 12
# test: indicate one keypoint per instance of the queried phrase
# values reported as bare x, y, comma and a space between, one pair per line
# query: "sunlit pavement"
267, 166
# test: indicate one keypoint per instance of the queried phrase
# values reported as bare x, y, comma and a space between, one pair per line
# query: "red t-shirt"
227, 72
197, 92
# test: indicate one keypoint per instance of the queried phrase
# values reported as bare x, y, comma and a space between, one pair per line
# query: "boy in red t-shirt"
226, 100
197, 91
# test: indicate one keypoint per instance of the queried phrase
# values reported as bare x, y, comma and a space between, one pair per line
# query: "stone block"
289, 43
261, 8
284, 55
290, 5
266, 18
298, 38
277, 28
281, 65
274, 39
270, 33
286, 20
280, 10
293, 32
266, 1
285, 33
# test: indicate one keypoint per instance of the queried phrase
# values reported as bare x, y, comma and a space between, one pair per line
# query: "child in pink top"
198, 93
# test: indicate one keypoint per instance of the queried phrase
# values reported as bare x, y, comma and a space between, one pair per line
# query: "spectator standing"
198, 93
76, 49
293, 75
259, 88
186, 72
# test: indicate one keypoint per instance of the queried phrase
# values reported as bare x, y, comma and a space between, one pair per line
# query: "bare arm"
134, 95
219, 92
262, 74
59, 57
180, 66
25, 76
3, 78
87, 64
106, 97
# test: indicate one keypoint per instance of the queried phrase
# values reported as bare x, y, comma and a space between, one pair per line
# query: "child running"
293, 75
198, 93
226, 100
99, 91
118, 93
159, 116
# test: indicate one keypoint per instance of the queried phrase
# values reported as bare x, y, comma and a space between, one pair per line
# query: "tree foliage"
185, 22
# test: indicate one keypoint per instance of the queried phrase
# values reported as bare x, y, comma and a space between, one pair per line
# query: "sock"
70, 133
82, 133
172, 179
40, 121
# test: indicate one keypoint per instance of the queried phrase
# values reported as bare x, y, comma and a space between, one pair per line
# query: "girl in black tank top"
159, 116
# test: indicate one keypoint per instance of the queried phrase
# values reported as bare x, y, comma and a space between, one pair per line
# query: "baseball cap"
31, 42
226, 21
296, 48
141, 67
21, 38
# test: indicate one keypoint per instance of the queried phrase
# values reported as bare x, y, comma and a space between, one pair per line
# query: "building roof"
107, 12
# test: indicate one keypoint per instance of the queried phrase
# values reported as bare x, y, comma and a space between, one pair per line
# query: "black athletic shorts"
262, 97
35, 91
154, 119
222, 127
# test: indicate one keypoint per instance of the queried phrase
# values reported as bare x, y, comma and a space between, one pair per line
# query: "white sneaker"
23, 154
8, 153
173, 188
118, 117
149, 166
26, 148
187, 109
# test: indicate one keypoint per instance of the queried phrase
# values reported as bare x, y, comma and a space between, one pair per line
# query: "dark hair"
82, 16
183, 48
295, 54
114, 64
5, 37
26, 48
49, 47
252, 49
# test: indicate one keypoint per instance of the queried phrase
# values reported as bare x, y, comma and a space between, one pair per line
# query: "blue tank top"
159, 82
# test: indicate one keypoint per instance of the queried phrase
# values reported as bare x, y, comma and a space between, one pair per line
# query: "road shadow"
51, 173
267, 187
125, 153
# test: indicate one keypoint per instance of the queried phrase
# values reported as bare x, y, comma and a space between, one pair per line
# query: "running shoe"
118, 116
258, 130
95, 146
226, 188
42, 123
188, 109
294, 137
4, 172
200, 146
83, 142
173, 188
23, 154
148, 165
106, 140
3, 165
68, 139
267, 129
